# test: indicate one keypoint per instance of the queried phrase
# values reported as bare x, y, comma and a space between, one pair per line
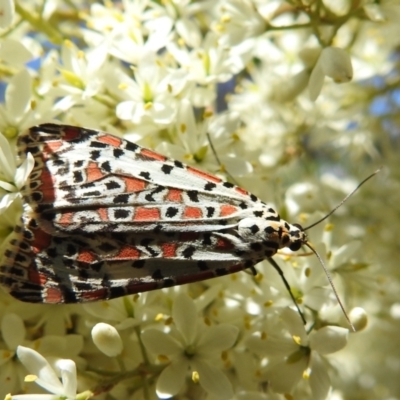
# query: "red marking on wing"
36, 277
53, 296
152, 155
134, 184
174, 195
227, 209
127, 253
98, 294
86, 256
93, 172
51, 147
241, 191
111, 140
224, 244
147, 214
41, 240
169, 249
66, 218
71, 133
47, 186
103, 214
192, 212
204, 175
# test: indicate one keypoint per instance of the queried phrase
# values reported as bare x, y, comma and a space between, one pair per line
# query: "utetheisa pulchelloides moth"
104, 217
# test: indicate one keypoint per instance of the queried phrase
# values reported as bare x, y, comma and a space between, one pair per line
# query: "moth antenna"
328, 275
343, 201
219, 161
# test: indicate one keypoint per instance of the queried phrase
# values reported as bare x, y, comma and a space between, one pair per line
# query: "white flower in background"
210, 62
150, 93
333, 62
82, 70
13, 52
293, 354
13, 333
47, 377
12, 178
16, 112
237, 21
190, 346
128, 33
7, 11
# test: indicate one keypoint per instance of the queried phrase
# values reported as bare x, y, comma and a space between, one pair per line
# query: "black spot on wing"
94, 155
145, 175
193, 195
131, 146
178, 164
171, 212
209, 186
167, 169
118, 153
112, 185
121, 198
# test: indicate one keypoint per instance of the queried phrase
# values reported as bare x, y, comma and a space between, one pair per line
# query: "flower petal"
7, 160
7, 11
18, 95
320, 382
336, 63
171, 380
68, 377
184, 313
36, 364
13, 330
213, 380
23, 171
158, 342
218, 338
329, 339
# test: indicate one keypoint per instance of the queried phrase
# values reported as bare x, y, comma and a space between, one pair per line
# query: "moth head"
279, 234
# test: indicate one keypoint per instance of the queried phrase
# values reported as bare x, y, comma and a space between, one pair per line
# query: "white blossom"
191, 346
12, 178
45, 376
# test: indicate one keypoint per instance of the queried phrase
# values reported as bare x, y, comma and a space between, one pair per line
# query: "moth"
104, 217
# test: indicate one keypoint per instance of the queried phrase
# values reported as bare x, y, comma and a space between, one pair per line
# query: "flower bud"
107, 339
359, 318
332, 62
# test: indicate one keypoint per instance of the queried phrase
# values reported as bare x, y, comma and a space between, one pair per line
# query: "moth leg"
289, 289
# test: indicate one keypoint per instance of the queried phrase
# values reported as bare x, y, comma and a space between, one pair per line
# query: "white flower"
16, 110
292, 354
82, 70
333, 62
191, 346
12, 178
45, 376
7, 11
107, 339
150, 95
13, 52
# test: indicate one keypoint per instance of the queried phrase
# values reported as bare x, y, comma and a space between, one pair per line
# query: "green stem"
37, 22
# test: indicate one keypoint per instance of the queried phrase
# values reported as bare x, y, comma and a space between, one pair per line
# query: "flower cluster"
294, 101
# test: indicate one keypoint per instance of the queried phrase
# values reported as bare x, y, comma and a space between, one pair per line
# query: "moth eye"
295, 245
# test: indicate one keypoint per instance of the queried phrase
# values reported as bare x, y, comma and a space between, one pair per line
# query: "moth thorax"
261, 230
